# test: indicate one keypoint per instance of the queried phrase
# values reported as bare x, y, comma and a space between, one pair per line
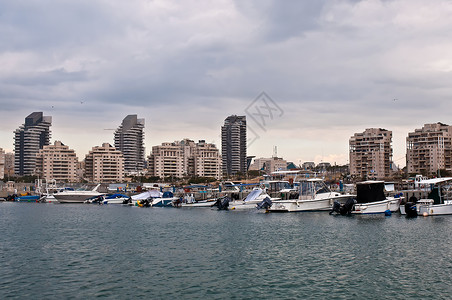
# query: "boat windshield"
311, 188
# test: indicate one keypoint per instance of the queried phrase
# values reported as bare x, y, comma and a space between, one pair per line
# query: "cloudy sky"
330, 68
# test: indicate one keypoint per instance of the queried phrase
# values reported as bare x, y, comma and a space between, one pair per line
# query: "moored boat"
77, 196
313, 195
371, 199
438, 201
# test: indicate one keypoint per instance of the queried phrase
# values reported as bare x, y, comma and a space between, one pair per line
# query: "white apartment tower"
28, 139
185, 158
104, 164
167, 160
207, 160
371, 153
57, 162
129, 139
429, 149
233, 145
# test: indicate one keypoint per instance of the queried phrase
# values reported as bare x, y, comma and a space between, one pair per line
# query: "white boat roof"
310, 179
371, 181
435, 180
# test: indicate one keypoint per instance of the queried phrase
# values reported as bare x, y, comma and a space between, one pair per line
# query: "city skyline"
333, 68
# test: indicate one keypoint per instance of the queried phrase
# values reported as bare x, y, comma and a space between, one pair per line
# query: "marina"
58, 251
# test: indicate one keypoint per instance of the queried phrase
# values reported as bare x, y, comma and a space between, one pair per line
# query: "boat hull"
163, 202
74, 198
324, 204
430, 209
378, 207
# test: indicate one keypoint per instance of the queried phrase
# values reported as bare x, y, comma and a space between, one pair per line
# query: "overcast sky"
331, 68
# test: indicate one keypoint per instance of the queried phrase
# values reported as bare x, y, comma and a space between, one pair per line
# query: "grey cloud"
48, 78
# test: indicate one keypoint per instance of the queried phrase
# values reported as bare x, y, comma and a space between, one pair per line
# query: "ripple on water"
83, 251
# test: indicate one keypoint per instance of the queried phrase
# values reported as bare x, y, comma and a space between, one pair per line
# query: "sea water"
54, 251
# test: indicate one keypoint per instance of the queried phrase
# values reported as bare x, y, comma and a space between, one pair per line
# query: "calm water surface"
51, 251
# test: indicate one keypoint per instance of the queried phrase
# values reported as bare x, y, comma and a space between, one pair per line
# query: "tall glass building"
28, 139
233, 145
129, 139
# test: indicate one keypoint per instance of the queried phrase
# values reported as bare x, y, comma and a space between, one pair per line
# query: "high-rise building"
129, 139
104, 164
57, 162
371, 153
28, 139
233, 145
429, 149
185, 158
2, 163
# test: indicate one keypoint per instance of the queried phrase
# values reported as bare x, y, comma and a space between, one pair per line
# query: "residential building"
9, 164
104, 164
28, 139
233, 145
57, 162
207, 160
308, 165
129, 139
429, 149
269, 165
185, 158
167, 160
371, 154
2, 163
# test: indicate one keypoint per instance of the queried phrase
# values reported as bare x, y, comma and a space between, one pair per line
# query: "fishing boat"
190, 201
313, 195
438, 201
371, 199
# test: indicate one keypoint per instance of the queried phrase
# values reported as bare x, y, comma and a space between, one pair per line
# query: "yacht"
313, 195
77, 196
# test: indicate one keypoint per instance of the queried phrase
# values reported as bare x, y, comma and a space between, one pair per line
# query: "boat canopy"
142, 196
370, 191
435, 180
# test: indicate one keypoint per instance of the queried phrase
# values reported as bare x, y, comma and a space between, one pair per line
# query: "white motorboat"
313, 195
252, 200
115, 199
371, 199
77, 196
134, 200
189, 201
439, 199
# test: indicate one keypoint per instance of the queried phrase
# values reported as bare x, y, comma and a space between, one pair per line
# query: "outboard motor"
127, 201
336, 207
347, 208
265, 204
222, 203
343, 209
146, 203
410, 209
